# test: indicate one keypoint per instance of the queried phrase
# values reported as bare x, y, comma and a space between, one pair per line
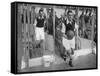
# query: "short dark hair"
69, 11
41, 10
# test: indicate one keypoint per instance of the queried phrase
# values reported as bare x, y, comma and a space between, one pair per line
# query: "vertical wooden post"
54, 28
20, 33
26, 44
83, 24
47, 20
77, 45
24, 26
43, 43
28, 31
92, 28
32, 21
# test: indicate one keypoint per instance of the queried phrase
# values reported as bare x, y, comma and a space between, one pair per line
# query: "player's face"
41, 13
49, 11
70, 16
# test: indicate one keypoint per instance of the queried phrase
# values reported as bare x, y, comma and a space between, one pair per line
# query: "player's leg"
67, 49
37, 34
72, 45
71, 52
42, 41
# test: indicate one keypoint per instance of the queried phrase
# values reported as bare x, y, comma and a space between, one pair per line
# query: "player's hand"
65, 36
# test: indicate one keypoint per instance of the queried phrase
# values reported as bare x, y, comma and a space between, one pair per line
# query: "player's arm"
45, 19
63, 31
76, 29
35, 21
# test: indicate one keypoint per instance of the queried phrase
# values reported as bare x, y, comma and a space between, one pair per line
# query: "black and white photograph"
54, 37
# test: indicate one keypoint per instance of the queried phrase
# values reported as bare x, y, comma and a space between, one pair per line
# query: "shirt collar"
68, 21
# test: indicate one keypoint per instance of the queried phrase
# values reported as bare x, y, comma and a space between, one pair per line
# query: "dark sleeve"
37, 18
65, 21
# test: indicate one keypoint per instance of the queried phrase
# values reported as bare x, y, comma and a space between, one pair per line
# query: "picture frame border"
14, 30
